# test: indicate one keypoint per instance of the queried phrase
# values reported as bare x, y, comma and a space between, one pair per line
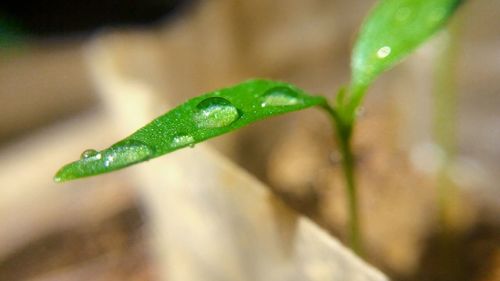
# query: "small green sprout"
392, 31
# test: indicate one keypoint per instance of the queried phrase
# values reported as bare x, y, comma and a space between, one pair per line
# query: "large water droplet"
182, 140
280, 96
88, 153
120, 155
109, 160
383, 52
126, 153
215, 112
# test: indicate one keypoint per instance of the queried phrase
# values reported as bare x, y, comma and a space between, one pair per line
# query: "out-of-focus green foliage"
393, 30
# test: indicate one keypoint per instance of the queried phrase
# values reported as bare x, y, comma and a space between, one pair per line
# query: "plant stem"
344, 137
348, 166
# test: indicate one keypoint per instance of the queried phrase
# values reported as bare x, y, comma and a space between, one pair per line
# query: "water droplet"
183, 140
403, 14
126, 153
280, 96
109, 160
215, 112
383, 52
119, 155
89, 153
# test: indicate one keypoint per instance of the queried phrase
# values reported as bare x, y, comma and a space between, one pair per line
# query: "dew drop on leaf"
384, 52
109, 160
126, 153
88, 153
182, 140
280, 96
119, 155
215, 112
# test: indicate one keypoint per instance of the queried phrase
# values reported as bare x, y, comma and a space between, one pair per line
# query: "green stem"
344, 138
348, 166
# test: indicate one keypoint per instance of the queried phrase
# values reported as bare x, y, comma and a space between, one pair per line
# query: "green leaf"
198, 119
392, 30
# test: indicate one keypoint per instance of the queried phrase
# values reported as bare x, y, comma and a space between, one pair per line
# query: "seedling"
393, 29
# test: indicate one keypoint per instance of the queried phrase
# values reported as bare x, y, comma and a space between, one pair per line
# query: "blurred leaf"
198, 119
392, 30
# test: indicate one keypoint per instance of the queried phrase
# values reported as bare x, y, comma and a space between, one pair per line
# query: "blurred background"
82, 74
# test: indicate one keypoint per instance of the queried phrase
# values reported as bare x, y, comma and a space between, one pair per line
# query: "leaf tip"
58, 179
62, 175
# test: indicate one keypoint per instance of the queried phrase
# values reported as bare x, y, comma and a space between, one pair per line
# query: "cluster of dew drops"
213, 112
